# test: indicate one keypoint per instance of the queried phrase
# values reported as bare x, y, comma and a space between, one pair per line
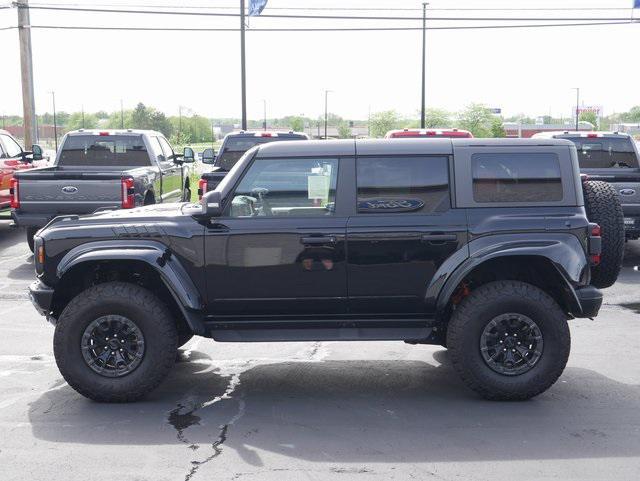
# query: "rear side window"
516, 177
415, 185
107, 150
605, 152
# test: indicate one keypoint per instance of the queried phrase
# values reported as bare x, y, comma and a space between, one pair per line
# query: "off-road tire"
31, 231
603, 207
149, 314
478, 309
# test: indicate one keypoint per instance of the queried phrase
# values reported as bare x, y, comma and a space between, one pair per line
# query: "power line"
329, 29
326, 17
368, 9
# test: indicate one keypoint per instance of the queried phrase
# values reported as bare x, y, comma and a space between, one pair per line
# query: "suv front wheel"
508, 340
115, 342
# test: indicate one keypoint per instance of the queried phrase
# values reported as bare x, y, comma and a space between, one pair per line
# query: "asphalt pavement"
319, 411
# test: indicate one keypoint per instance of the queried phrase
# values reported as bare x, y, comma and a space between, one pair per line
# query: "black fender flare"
564, 251
157, 256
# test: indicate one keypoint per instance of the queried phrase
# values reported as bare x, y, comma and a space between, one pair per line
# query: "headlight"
38, 254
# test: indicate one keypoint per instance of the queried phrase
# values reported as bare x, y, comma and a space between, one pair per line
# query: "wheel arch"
146, 263
549, 263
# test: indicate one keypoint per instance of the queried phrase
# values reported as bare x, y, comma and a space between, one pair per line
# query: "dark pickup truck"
234, 145
479, 245
611, 157
101, 169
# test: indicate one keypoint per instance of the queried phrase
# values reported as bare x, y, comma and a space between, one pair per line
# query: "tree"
477, 119
75, 121
297, 124
382, 122
344, 131
589, 117
497, 129
436, 118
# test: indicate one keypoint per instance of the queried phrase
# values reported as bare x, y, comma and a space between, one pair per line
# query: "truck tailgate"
68, 192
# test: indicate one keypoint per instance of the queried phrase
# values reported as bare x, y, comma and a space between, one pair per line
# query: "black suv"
234, 146
479, 245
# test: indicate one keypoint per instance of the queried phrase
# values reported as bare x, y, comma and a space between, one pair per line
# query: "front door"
279, 250
404, 229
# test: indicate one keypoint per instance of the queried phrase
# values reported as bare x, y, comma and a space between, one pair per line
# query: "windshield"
104, 150
605, 152
234, 147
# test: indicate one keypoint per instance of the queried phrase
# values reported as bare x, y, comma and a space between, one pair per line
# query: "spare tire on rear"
603, 207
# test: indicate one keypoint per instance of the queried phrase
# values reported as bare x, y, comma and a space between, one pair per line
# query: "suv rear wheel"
115, 342
603, 207
508, 340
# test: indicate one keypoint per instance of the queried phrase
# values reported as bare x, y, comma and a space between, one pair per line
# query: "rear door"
171, 173
403, 230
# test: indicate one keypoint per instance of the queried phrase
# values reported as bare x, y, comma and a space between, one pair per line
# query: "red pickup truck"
13, 158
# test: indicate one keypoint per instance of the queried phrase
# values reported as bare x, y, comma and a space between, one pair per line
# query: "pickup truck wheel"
603, 207
508, 340
31, 231
115, 342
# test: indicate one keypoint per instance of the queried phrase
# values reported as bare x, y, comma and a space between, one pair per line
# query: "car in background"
611, 157
234, 145
13, 158
97, 170
419, 133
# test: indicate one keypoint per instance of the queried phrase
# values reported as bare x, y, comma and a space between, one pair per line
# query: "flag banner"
257, 6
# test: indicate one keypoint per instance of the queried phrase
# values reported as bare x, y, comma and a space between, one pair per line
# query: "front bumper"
590, 300
41, 296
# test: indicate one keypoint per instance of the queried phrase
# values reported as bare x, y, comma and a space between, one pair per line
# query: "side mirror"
212, 204
36, 152
208, 156
188, 156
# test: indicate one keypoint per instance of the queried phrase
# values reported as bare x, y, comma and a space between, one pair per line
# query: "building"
525, 131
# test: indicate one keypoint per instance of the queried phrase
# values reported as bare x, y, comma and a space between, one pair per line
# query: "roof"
402, 146
113, 132
581, 133
266, 133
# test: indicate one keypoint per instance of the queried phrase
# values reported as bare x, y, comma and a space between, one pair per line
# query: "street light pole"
424, 64
121, 115
243, 72
55, 127
326, 113
264, 123
577, 89
82, 116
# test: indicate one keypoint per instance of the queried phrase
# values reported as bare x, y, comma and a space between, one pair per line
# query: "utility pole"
55, 126
264, 106
82, 107
326, 113
243, 72
26, 70
424, 64
577, 89
179, 120
121, 115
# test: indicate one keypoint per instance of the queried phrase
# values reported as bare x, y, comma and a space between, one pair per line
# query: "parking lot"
319, 411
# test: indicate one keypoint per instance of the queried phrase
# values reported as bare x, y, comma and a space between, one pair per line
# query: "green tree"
75, 121
497, 129
297, 124
344, 131
589, 117
382, 122
477, 119
436, 118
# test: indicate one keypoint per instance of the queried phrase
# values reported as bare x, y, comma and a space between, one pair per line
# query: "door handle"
438, 238
318, 240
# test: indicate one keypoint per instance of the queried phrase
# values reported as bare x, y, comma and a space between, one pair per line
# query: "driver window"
287, 187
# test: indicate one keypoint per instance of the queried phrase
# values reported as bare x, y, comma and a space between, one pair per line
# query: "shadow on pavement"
356, 411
